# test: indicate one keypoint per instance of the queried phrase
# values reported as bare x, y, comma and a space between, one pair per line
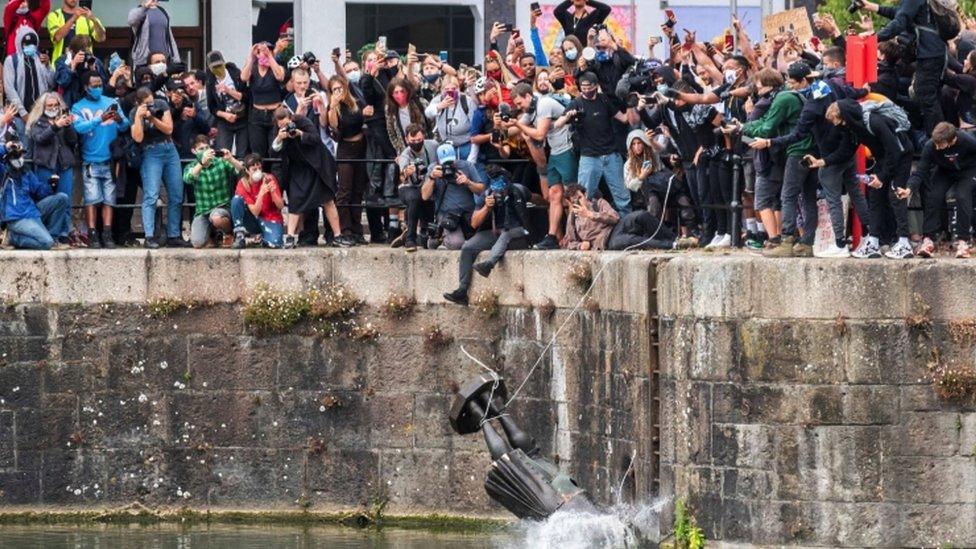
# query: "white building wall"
231, 28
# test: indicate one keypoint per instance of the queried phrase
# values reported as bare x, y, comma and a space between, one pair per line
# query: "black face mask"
416, 147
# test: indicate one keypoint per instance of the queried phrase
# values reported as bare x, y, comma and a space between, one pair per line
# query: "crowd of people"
586, 146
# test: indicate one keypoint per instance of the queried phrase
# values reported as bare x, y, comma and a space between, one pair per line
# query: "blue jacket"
72, 88
97, 136
19, 195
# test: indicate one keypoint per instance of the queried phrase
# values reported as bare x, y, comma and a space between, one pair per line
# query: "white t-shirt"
547, 107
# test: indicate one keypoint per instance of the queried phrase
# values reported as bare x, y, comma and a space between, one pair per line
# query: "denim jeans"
65, 184
797, 180
247, 223
39, 234
161, 164
610, 167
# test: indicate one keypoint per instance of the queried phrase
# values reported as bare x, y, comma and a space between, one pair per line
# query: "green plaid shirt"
212, 187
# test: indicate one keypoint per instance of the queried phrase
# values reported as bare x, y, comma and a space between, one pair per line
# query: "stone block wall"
102, 403
797, 406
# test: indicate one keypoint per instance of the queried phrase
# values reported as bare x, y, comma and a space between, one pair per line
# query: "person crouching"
36, 217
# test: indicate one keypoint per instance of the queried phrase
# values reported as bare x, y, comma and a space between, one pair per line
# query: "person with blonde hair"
51, 129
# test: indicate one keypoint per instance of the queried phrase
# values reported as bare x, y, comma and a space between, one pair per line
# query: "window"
429, 28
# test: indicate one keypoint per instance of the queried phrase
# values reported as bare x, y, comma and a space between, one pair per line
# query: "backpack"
944, 17
888, 110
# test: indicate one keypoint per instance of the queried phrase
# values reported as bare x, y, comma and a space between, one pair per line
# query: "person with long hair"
403, 108
451, 112
265, 79
345, 120
50, 127
256, 206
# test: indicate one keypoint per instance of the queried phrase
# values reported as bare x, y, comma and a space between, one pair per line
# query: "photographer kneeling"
500, 223
451, 185
414, 163
35, 216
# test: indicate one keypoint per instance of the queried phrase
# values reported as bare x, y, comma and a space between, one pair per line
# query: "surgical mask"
257, 176
571, 54
731, 76
30, 50
417, 147
158, 68
431, 78
354, 76
264, 61
661, 88
51, 113
95, 93
219, 72
400, 97
17, 163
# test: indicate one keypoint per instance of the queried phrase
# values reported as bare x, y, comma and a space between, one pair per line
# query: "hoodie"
15, 73
834, 145
888, 147
954, 160
14, 17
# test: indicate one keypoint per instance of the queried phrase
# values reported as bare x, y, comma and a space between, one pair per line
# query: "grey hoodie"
140, 47
14, 80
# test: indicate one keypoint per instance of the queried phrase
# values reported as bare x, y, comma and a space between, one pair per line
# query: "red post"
862, 68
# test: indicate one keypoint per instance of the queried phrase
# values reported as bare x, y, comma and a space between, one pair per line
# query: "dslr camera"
449, 172
633, 99
291, 129
309, 58
505, 112
855, 5
421, 172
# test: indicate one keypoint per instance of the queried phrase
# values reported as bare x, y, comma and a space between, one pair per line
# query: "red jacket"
13, 20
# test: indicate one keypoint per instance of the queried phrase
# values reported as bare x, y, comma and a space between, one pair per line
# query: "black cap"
798, 71
589, 78
30, 39
215, 58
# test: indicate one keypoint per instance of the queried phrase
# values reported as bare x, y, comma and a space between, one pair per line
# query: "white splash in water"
624, 526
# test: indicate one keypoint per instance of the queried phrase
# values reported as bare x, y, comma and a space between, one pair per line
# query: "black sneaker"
345, 241
483, 268
359, 239
151, 244
107, 241
93, 240
547, 243
238, 241
410, 246
378, 238
458, 296
177, 242
289, 242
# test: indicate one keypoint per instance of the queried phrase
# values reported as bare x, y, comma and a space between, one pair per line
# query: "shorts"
99, 185
749, 174
562, 168
201, 226
768, 194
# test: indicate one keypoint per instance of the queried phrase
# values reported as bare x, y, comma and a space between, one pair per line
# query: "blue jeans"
610, 167
65, 185
246, 222
161, 164
39, 234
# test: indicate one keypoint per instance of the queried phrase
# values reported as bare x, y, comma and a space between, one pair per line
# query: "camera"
421, 168
15, 150
309, 58
633, 99
449, 172
505, 112
497, 136
291, 129
855, 5
89, 60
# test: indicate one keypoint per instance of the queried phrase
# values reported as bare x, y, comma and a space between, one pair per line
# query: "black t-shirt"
594, 131
150, 135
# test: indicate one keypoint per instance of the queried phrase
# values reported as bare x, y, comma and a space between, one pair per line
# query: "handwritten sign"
795, 20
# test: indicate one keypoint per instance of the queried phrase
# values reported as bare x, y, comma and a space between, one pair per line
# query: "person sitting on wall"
595, 225
36, 217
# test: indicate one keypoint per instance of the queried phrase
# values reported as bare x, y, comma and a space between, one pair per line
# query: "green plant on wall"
687, 534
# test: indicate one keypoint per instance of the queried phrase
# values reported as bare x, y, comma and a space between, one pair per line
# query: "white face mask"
17, 163
354, 76
257, 176
158, 68
51, 113
731, 76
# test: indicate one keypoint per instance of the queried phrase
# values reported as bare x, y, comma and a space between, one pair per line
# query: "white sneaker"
866, 250
834, 251
900, 251
720, 241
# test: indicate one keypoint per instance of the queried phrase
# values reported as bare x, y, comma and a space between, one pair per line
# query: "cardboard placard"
795, 20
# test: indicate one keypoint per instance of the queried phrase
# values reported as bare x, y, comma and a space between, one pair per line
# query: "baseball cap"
215, 59
446, 153
589, 78
798, 71
392, 54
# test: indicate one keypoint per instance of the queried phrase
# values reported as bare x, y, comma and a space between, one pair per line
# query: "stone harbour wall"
798, 405
104, 403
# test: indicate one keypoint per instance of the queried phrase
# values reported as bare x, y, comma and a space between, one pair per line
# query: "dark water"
237, 537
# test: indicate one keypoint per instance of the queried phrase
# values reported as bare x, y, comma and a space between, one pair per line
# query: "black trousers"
884, 204
417, 210
934, 200
261, 131
927, 85
635, 231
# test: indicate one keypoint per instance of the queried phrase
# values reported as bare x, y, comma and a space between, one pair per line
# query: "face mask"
354, 76
431, 78
417, 147
51, 113
589, 94
158, 68
731, 76
220, 72
400, 97
661, 88
17, 163
95, 93
602, 56
571, 54
264, 61
30, 51
257, 176
200, 153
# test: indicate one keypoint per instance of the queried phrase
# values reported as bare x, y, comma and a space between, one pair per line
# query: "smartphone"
815, 42
729, 42
87, 4
534, 6
671, 19
516, 34
381, 43
646, 164
114, 107
335, 51
443, 55
507, 27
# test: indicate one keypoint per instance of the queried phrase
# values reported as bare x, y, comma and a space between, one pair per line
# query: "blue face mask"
95, 93
30, 50
498, 185
602, 56
431, 78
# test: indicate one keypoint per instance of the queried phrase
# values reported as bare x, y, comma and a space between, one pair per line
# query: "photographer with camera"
256, 206
414, 162
452, 185
308, 172
592, 115
500, 224
212, 175
98, 120
36, 217
51, 130
538, 127
69, 22
152, 129
932, 30
77, 62
189, 120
